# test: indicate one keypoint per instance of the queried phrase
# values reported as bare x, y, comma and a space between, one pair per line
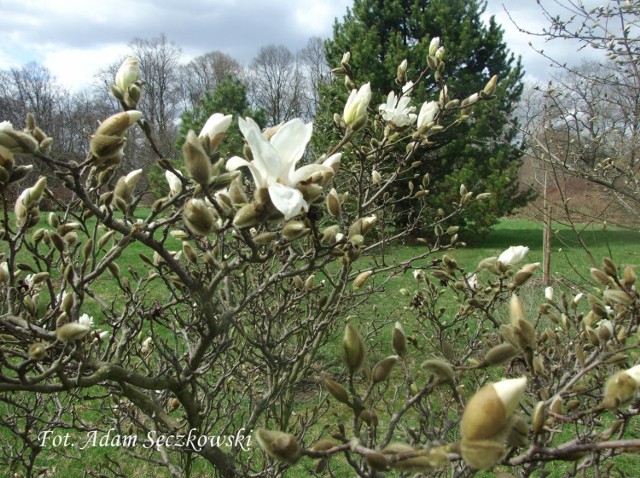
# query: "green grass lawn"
570, 265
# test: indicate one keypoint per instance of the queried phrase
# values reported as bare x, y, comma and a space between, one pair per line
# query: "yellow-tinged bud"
336, 390
118, 124
279, 445
236, 192
37, 351
354, 348
489, 409
196, 160
293, 230
539, 417
383, 368
524, 274
265, 238
490, 87
361, 278
72, 331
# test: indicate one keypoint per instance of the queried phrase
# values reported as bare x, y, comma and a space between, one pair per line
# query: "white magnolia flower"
548, 293
127, 73
513, 255
175, 185
634, 373
355, 110
407, 87
86, 319
274, 160
418, 274
215, 125
132, 178
434, 45
397, 111
427, 114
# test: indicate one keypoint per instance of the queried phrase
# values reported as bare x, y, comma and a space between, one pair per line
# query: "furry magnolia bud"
279, 445
198, 217
383, 368
360, 279
399, 340
118, 124
489, 409
37, 351
354, 348
72, 331
196, 160
336, 390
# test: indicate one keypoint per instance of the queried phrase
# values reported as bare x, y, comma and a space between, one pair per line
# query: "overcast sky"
74, 38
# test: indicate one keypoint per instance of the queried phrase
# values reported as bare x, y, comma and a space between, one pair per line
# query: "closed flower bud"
355, 110
118, 124
127, 74
629, 277
539, 417
489, 409
383, 368
336, 390
196, 160
198, 217
333, 203
293, 230
360, 279
399, 340
279, 445
499, 354
72, 331
441, 370
600, 276
214, 130
37, 351
354, 348
246, 216
524, 274
609, 267
434, 45
490, 87
617, 297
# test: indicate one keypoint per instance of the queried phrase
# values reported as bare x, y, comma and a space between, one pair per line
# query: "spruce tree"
479, 153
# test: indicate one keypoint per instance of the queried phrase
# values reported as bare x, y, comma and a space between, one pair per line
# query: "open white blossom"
397, 111
513, 255
274, 161
86, 319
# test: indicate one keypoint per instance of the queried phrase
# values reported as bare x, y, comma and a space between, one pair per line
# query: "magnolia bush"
198, 334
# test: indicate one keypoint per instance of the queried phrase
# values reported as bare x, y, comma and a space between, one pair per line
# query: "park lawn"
391, 305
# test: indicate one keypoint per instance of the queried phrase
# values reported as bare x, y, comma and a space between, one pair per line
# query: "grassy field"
570, 266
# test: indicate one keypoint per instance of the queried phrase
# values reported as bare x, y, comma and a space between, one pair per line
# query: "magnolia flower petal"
216, 124
510, 391
288, 201
290, 142
237, 162
305, 172
265, 156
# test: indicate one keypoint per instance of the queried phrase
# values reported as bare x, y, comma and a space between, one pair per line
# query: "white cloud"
75, 68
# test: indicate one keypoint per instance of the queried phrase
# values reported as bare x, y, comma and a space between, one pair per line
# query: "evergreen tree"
229, 97
478, 153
